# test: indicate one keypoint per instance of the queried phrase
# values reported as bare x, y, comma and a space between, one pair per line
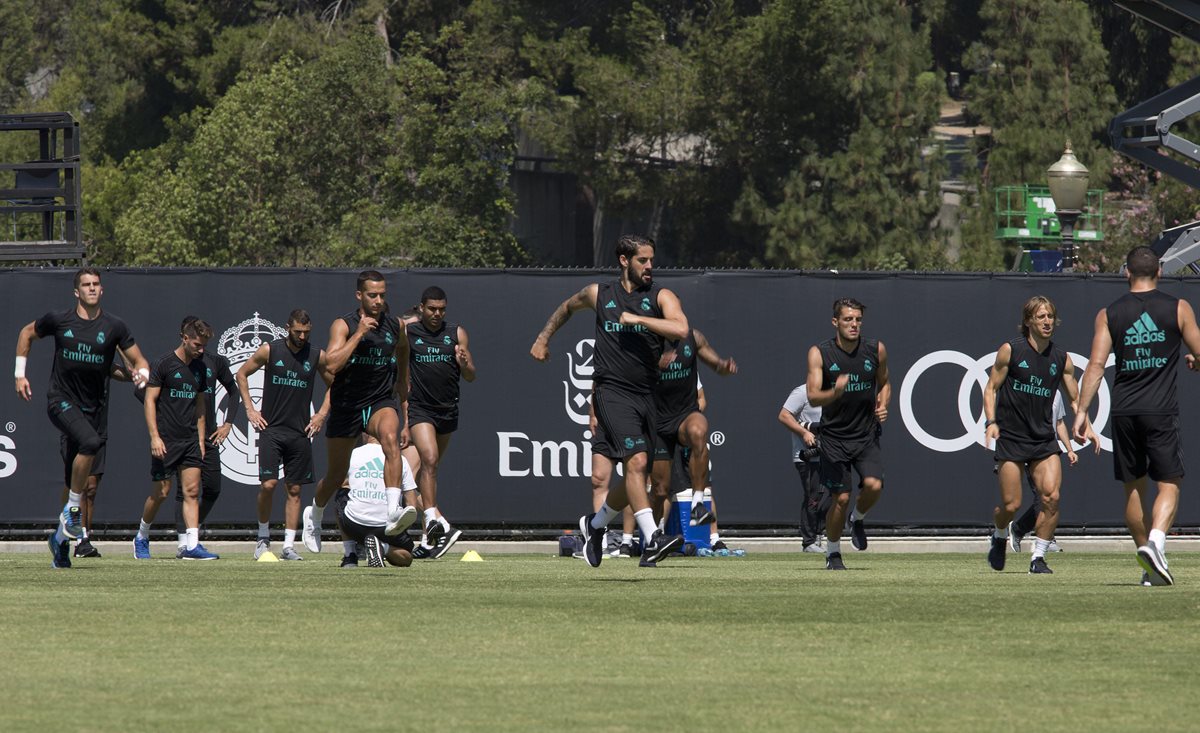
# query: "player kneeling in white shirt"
362, 511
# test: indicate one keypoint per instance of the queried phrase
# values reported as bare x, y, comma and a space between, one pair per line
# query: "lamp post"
1068, 179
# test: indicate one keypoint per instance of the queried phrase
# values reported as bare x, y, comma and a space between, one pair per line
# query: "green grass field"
765, 642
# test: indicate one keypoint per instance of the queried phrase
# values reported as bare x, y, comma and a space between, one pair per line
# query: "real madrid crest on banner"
239, 454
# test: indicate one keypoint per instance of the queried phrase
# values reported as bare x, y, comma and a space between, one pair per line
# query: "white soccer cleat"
400, 520
311, 534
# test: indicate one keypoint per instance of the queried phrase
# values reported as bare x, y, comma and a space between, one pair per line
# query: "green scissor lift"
1025, 217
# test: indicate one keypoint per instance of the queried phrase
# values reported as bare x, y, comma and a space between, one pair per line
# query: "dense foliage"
785, 133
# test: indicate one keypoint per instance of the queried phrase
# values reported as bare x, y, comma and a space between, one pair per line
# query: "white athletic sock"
1040, 547
289, 538
182, 539
60, 536
143, 530
84, 536
1158, 538
73, 499
714, 538
856, 515
193, 537
833, 547
1000, 533
697, 498
393, 499
318, 513
645, 522
445, 524
264, 530
348, 547
606, 515
626, 538
430, 515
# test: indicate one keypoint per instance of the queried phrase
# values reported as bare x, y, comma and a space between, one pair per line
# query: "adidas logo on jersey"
1144, 331
69, 334
178, 375
374, 469
1024, 364
420, 342
835, 368
279, 363
611, 304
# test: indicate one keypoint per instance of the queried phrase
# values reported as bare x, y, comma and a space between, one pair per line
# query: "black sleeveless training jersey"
433, 370
370, 374
1025, 402
852, 416
676, 393
626, 356
217, 371
83, 356
1144, 328
175, 409
288, 385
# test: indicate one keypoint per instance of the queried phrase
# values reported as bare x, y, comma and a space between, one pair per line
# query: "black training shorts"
180, 455
350, 422
1146, 445
839, 459
444, 421
626, 422
355, 532
1018, 452
287, 447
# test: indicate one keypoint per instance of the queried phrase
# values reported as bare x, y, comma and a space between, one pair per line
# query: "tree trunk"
599, 254
381, 30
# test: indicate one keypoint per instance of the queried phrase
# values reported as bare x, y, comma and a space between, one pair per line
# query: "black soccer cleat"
858, 535
1039, 567
593, 540
421, 552
434, 531
700, 514
833, 561
350, 561
445, 542
660, 546
997, 554
86, 549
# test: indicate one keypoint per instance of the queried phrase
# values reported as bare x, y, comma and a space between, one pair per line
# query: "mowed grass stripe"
898, 642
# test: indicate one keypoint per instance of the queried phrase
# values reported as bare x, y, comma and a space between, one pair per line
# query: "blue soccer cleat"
199, 553
141, 548
71, 522
60, 552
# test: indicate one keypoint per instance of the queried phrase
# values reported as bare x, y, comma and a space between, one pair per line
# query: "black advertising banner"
522, 452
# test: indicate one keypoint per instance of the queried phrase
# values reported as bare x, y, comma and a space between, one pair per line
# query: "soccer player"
680, 421
803, 421
1143, 329
284, 425
362, 510
1019, 405
86, 339
1027, 522
216, 370
367, 359
439, 357
175, 417
633, 317
848, 379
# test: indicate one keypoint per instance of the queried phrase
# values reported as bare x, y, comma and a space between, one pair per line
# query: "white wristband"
144, 373
19, 368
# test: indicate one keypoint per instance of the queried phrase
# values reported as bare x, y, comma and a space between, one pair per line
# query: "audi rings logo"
975, 376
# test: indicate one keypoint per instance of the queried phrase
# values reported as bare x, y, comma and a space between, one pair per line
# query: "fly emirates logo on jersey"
522, 455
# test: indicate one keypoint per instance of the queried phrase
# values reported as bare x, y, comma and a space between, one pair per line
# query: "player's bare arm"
818, 397
1072, 389
673, 325
401, 354
158, 449
1093, 374
24, 343
585, 299
317, 421
883, 384
789, 421
139, 367
342, 343
709, 356
999, 373
1190, 334
466, 363
256, 361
